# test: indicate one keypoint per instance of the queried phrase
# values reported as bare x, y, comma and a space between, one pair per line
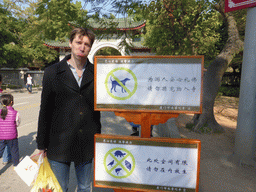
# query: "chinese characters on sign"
156, 166
168, 84
167, 166
115, 141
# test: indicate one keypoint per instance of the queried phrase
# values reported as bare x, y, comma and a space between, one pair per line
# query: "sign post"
145, 90
145, 120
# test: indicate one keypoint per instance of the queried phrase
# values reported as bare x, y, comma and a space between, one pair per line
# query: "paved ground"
217, 174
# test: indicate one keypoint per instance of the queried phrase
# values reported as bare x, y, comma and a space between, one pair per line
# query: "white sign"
146, 165
165, 84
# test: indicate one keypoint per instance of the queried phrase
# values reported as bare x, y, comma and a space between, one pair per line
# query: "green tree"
180, 27
108, 51
26, 46
55, 16
11, 53
215, 71
33, 39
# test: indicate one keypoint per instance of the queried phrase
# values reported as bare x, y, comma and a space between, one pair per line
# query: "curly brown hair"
82, 32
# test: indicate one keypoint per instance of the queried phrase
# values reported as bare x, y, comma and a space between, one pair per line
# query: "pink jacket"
8, 127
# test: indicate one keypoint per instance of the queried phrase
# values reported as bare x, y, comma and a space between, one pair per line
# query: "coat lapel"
88, 74
66, 76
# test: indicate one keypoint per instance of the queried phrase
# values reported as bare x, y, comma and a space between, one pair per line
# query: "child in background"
9, 121
7, 154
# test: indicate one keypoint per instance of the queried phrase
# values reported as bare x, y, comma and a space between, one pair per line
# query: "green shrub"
3, 87
10, 86
229, 91
204, 129
190, 126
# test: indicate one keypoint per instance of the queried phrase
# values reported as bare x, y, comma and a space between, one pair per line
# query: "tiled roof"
123, 23
57, 44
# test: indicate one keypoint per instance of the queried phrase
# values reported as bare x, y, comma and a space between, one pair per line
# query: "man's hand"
43, 152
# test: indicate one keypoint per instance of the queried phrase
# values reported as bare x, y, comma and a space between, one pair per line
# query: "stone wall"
18, 77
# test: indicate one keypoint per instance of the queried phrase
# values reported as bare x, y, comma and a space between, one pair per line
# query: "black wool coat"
67, 120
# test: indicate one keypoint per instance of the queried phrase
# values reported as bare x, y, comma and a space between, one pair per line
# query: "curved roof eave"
56, 46
126, 28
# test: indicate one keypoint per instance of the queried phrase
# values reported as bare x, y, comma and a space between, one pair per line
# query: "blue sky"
105, 6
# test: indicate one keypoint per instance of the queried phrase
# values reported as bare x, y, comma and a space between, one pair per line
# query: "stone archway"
102, 44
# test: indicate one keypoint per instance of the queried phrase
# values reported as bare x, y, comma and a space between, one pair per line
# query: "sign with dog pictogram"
119, 88
149, 83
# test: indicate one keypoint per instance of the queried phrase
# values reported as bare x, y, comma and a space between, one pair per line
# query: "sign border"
116, 109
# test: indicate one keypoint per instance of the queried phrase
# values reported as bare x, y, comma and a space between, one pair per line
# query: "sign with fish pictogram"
160, 164
119, 162
149, 83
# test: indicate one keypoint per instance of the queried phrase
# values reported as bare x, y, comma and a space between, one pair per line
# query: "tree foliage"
55, 16
108, 51
180, 27
22, 44
11, 53
35, 22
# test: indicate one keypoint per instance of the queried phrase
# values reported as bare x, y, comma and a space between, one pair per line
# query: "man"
67, 120
29, 84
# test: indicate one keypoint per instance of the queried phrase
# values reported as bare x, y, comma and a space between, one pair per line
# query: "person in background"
29, 84
67, 120
9, 121
7, 154
135, 129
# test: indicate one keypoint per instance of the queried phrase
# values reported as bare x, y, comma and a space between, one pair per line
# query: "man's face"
80, 46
